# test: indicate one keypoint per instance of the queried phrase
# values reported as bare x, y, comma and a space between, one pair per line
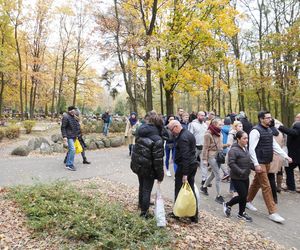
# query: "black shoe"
172, 215
220, 199
65, 160
194, 219
146, 215
204, 190
209, 185
245, 217
226, 210
86, 162
71, 168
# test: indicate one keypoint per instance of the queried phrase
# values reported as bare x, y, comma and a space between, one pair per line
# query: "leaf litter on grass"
210, 233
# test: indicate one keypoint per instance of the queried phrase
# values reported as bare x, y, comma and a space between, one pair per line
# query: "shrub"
117, 127
12, 132
2, 134
96, 224
28, 125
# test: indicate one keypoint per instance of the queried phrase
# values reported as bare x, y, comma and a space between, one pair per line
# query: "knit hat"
71, 108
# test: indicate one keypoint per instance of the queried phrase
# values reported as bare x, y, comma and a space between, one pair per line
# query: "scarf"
132, 121
214, 130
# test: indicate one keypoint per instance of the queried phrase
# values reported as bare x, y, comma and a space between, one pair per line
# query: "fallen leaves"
210, 233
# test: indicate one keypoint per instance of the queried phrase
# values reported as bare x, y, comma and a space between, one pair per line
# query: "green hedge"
12, 132
28, 125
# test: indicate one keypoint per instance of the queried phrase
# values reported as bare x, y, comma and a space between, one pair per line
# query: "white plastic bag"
159, 211
197, 193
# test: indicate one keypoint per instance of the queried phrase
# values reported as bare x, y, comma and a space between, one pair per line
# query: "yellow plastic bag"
185, 204
78, 147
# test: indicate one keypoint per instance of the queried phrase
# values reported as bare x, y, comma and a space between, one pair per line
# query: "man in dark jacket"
147, 159
185, 158
70, 130
106, 117
293, 145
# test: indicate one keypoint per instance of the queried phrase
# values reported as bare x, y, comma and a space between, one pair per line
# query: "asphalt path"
113, 164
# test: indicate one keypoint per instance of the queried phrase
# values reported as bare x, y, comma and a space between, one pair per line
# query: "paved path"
113, 164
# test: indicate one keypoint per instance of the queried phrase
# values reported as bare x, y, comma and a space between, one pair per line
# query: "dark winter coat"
239, 162
70, 127
106, 117
247, 125
293, 141
185, 156
148, 153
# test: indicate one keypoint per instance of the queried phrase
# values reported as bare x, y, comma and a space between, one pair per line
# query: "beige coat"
128, 132
209, 146
278, 162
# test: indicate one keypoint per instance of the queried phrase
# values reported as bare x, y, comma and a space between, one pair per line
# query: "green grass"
90, 222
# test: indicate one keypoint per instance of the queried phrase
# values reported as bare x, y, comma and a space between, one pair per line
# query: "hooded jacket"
239, 162
148, 153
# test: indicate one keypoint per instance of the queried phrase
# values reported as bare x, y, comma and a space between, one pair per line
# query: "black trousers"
191, 181
145, 189
271, 177
241, 187
290, 179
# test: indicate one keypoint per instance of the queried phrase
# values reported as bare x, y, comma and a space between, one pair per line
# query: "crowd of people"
231, 146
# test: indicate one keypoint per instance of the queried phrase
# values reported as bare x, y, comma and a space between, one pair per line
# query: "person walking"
147, 159
213, 143
70, 130
80, 139
185, 158
130, 130
198, 128
106, 117
293, 145
278, 162
261, 147
170, 147
240, 165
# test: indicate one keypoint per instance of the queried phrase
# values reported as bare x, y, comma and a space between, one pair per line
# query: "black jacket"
148, 153
293, 141
70, 127
239, 162
106, 117
185, 156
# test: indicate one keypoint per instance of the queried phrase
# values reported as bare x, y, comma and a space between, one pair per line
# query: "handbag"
185, 204
78, 147
220, 156
159, 211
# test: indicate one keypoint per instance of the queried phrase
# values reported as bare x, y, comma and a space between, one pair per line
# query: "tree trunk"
161, 84
149, 104
20, 70
54, 87
1, 92
169, 102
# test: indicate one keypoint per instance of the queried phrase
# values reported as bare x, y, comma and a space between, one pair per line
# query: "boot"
85, 161
279, 182
130, 149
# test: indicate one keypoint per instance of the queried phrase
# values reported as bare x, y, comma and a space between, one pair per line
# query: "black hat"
71, 108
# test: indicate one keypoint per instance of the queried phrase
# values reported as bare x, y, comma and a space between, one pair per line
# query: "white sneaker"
250, 206
169, 173
276, 217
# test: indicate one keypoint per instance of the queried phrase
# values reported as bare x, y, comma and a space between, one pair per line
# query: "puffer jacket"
239, 162
70, 127
148, 153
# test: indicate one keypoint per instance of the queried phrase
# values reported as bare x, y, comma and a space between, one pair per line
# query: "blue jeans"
105, 128
168, 149
71, 152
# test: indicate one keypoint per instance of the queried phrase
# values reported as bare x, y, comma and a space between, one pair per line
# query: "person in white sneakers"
261, 147
198, 128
